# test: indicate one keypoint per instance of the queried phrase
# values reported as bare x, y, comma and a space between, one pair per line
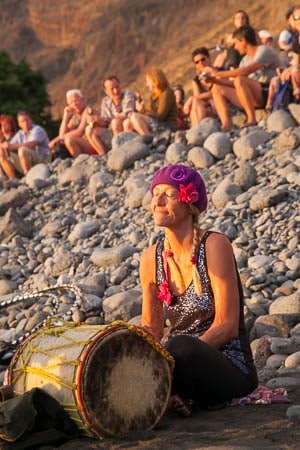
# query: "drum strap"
50, 292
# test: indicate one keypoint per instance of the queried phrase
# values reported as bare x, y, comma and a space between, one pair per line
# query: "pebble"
85, 222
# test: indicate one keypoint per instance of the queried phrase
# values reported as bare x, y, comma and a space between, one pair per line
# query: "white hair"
73, 92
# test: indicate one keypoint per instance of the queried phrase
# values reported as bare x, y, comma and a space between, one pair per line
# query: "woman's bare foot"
182, 407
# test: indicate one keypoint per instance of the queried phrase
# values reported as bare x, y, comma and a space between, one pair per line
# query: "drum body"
110, 379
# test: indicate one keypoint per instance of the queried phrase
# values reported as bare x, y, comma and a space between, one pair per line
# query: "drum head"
125, 384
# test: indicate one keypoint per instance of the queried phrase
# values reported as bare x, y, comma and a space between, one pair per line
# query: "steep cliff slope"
76, 43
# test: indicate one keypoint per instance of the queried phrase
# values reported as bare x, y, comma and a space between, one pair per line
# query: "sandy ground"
238, 427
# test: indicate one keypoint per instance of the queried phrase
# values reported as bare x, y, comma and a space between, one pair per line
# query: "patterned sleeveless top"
192, 314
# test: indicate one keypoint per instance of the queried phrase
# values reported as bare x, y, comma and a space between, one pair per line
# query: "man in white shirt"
28, 147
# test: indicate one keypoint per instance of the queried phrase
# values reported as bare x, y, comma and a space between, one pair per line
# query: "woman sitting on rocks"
161, 114
8, 127
192, 275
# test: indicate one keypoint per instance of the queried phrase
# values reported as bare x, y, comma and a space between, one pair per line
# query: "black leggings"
204, 374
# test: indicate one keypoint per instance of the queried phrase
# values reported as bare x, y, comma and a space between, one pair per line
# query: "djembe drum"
110, 379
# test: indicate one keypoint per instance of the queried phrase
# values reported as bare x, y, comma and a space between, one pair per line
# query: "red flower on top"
164, 293
188, 194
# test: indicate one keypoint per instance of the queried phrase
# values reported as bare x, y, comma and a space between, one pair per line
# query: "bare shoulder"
147, 263
218, 245
148, 254
217, 240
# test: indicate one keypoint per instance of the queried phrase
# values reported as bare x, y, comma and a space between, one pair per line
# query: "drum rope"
52, 372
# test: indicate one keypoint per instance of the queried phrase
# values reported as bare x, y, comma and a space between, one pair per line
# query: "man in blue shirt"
28, 147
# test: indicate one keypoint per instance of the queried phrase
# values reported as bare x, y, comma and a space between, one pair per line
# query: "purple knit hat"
178, 175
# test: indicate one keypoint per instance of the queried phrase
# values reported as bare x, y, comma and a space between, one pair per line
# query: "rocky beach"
85, 222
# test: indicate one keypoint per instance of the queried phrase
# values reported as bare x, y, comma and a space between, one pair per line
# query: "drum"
110, 379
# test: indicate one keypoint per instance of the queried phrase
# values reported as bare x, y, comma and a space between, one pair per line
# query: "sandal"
248, 124
182, 407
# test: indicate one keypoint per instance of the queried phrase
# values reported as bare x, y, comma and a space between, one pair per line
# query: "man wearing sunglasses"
200, 104
246, 87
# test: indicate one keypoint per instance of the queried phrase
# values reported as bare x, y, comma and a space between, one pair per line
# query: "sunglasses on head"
201, 60
296, 17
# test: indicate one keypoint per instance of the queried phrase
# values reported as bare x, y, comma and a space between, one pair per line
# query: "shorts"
106, 138
36, 158
265, 93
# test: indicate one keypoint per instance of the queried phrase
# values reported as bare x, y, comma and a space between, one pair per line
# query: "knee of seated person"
180, 346
68, 140
239, 80
22, 151
196, 101
88, 131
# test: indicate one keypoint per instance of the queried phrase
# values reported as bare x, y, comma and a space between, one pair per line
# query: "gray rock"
267, 197
38, 172
14, 199
200, 158
293, 178
94, 283
286, 346
269, 325
124, 156
245, 176
136, 191
293, 412
289, 304
7, 287
293, 360
123, 306
294, 109
259, 261
225, 192
59, 263
279, 120
175, 153
275, 361
97, 182
246, 146
218, 144
289, 383
121, 138
114, 255
13, 223
197, 135
83, 230
288, 139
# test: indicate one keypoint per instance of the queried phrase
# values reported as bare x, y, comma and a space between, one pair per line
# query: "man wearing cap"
265, 37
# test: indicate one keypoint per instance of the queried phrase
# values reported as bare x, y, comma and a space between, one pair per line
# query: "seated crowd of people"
245, 75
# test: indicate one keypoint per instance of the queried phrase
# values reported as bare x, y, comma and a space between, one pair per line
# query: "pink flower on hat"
188, 194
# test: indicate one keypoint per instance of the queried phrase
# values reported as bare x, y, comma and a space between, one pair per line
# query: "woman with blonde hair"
190, 278
161, 113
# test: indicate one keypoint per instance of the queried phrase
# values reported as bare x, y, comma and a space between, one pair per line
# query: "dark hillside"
75, 43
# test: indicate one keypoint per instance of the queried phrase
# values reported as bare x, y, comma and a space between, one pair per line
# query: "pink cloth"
262, 396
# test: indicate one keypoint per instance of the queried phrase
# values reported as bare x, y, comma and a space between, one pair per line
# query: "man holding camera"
200, 104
